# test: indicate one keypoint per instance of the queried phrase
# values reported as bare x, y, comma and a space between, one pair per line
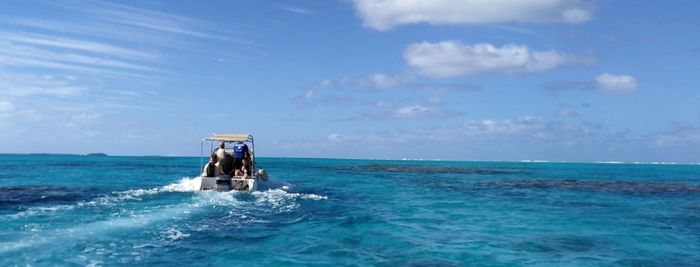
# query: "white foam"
313, 197
282, 200
184, 185
534, 161
214, 198
173, 234
100, 227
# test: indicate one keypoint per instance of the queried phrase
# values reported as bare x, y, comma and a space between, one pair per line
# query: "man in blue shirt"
240, 151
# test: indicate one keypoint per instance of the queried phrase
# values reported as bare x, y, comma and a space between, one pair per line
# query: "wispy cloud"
85, 118
296, 10
388, 111
6, 107
24, 55
144, 19
566, 111
75, 44
353, 86
680, 135
537, 137
88, 60
27, 84
79, 43
371, 82
386, 14
605, 83
93, 28
452, 59
524, 130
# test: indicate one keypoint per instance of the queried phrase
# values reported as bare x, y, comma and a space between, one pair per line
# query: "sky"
558, 80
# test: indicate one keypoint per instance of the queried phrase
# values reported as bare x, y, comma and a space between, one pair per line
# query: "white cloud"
386, 14
415, 111
451, 58
610, 83
388, 112
377, 80
85, 118
385, 104
527, 125
435, 100
12, 117
521, 130
6, 106
370, 82
681, 135
565, 112
336, 137
313, 90
469, 131
24, 84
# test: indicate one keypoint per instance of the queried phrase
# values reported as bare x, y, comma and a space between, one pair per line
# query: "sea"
71, 210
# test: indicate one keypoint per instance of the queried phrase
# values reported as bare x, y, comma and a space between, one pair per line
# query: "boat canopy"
230, 137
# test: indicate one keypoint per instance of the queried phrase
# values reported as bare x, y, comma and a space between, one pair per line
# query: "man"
212, 168
240, 151
225, 159
221, 152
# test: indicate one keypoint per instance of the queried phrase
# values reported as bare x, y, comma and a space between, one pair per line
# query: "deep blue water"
75, 210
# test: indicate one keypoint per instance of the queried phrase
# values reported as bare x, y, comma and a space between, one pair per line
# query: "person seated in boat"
227, 165
240, 152
221, 152
212, 168
245, 170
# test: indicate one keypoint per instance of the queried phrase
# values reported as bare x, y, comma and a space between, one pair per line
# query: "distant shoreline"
375, 159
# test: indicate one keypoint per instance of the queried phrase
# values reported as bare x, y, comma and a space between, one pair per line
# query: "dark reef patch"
32, 195
624, 187
427, 169
558, 244
71, 164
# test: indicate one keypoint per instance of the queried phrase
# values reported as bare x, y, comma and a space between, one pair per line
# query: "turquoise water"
75, 210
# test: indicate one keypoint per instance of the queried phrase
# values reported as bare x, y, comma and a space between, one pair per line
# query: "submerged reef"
626, 187
427, 169
30, 195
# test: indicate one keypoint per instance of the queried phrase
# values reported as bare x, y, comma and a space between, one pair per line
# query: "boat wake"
185, 184
145, 208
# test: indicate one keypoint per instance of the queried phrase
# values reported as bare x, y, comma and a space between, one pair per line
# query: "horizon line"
101, 154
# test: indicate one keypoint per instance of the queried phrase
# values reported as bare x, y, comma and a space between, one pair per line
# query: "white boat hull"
225, 183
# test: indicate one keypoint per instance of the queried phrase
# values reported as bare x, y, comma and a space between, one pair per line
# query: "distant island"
96, 155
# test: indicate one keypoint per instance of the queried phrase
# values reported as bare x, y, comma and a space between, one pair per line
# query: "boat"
226, 182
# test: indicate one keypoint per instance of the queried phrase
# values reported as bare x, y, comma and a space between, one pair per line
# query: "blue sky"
567, 80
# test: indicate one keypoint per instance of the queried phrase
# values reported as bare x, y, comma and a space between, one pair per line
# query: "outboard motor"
223, 183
